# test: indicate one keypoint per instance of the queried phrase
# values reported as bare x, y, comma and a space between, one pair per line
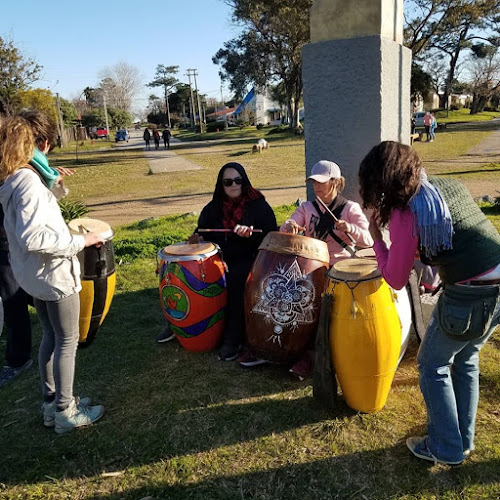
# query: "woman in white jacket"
43, 259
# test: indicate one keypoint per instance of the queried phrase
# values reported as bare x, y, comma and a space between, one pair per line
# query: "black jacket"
257, 213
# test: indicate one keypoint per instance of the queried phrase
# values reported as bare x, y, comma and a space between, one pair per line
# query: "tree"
16, 73
485, 81
39, 99
69, 112
123, 83
165, 78
119, 118
421, 83
269, 50
448, 27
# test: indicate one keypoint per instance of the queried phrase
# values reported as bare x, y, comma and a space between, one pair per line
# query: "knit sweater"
476, 242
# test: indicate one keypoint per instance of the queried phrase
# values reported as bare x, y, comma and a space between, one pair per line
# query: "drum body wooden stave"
98, 278
193, 294
365, 333
283, 295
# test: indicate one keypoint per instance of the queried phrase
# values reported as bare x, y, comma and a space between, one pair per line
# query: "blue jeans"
449, 381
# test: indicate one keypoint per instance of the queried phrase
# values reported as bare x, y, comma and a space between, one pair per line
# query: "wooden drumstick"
225, 230
332, 215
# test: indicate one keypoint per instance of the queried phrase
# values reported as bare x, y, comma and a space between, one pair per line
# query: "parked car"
418, 116
122, 135
101, 133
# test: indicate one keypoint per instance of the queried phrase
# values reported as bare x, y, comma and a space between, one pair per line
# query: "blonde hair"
16, 145
340, 183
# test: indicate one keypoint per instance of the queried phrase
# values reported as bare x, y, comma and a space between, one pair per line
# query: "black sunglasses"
229, 182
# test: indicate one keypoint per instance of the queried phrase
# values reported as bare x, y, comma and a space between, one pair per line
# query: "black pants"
234, 335
16, 315
167, 143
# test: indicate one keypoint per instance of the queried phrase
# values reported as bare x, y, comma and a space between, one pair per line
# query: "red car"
99, 133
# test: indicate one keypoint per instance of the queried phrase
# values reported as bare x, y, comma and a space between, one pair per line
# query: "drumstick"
332, 215
225, 230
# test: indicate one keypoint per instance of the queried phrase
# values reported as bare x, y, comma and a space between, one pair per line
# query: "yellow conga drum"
98, 277
365, 333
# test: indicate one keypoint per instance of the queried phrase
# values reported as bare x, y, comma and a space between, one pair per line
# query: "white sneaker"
77, 416
49, 410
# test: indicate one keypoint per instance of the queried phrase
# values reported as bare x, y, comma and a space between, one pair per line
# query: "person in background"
147, 137
156, 139
433, 127
44, 263
166, 137
439, 218
427, 124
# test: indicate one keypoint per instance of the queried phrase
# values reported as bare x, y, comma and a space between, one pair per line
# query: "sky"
75, 40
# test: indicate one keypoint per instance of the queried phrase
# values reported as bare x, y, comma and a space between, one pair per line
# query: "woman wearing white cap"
312, 219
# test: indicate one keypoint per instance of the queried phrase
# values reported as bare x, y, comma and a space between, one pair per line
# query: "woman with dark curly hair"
439, 218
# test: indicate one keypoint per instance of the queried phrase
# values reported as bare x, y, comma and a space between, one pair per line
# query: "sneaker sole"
250, 364
434, 460
162, 341
229, 358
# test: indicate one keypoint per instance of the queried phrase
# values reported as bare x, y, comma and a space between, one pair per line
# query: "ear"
45, 146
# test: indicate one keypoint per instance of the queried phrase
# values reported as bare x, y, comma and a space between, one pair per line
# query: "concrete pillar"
356, 76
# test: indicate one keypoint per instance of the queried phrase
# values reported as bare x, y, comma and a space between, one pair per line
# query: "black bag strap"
337, 213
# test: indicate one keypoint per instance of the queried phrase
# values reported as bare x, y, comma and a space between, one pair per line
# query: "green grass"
233, 133
182, 425
463, 115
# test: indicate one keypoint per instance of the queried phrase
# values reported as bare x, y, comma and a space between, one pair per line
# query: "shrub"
213, 126
72, 209
259, 126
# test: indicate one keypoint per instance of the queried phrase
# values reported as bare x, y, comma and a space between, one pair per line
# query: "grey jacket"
42, 250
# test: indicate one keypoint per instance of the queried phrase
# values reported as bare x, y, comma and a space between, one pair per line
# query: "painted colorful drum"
193, 293
283, 295
98, 278
365, 333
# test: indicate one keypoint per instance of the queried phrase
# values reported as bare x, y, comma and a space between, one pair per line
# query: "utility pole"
223, 107
193, 118
61, 126
202, 125
105, 112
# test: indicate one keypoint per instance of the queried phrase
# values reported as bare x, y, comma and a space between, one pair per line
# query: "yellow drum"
365, 333
98, 277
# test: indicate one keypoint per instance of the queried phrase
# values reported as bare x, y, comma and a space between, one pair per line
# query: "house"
222, 114
264, 109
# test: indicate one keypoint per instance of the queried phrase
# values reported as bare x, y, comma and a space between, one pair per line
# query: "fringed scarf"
233, 209
431, 218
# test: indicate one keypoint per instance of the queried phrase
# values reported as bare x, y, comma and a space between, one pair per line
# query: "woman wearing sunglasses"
237, 206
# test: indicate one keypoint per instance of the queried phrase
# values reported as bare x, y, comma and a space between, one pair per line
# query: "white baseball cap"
325, 170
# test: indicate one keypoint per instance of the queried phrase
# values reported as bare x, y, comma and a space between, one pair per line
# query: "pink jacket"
351, 213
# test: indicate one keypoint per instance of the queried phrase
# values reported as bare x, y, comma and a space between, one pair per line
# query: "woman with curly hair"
44, 261
439, 218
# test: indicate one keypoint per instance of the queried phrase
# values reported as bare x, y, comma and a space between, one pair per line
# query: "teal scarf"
432, 219
40, 162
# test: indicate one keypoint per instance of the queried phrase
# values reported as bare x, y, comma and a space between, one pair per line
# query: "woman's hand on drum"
374, 227
290, 226
93, 239
195, 238
243, 231
344, 226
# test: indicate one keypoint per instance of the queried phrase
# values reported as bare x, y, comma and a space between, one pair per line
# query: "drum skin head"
294, 244
189, 249
354, 270
88, 225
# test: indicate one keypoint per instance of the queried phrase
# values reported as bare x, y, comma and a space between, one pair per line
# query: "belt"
483, 282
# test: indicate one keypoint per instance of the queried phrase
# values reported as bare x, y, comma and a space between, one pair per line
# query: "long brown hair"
16, 145
389, 176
